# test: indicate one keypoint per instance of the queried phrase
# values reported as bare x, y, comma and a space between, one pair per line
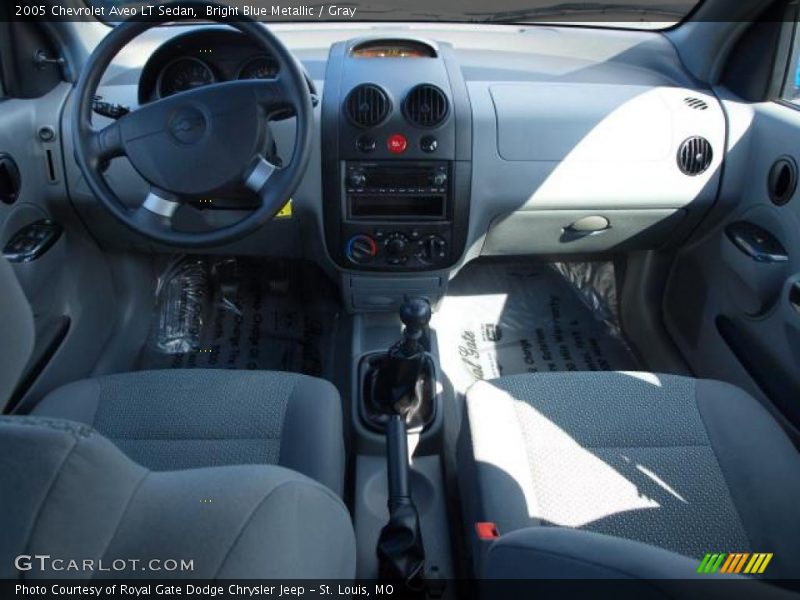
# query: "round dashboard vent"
426, 106
367, 105
695, 156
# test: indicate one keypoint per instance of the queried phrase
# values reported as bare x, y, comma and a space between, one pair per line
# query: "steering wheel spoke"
106, 143
259, 175
157, 211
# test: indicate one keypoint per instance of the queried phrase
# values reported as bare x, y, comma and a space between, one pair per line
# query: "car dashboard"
437, 144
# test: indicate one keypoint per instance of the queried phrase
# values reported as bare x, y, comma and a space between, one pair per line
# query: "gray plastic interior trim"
552, 231
371, 514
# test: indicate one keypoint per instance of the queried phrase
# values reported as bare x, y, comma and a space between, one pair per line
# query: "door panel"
68, 284
731, 301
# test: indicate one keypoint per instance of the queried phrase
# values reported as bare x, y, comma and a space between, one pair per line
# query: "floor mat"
503, 319
241, 314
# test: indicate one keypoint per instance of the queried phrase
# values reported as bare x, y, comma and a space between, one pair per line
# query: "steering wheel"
196, 143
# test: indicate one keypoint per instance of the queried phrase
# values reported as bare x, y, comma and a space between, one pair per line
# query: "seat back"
70, 494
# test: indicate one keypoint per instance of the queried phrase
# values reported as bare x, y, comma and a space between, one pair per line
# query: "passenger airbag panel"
549, 122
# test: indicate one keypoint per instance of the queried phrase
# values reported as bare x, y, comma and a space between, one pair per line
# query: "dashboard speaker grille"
367, 105
426, 105
695, 156
696, 103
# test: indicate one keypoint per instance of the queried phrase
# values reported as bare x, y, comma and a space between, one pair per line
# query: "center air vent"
695, 156
367, 105
425, 106
696, 103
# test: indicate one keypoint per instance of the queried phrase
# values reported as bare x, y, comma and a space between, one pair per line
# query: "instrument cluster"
189, 72
202, 58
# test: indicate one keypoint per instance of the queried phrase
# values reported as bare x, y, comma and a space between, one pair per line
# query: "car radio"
389, 190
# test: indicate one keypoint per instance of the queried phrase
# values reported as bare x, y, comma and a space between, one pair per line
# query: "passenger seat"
598, 474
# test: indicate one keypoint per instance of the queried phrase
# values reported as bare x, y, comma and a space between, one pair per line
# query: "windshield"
640, 14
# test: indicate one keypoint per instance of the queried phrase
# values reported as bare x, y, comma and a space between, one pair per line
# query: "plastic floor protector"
238, 314
509, 318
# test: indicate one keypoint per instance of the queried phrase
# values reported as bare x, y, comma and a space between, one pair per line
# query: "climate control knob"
431, 250
396, 244
361, 249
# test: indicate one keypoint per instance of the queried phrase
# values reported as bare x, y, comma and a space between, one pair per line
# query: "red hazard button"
397, 143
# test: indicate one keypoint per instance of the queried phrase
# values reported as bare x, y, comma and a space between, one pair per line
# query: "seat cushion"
687, 465
181, 419
70, 494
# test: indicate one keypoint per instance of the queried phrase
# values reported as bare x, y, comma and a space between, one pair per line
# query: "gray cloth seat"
184, 419
688, 466
70, 494
199, 470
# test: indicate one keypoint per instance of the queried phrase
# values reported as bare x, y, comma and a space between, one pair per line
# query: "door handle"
32, 241
756, 242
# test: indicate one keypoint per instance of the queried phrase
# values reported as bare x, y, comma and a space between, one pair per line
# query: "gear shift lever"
397, 383
415, 313
397, 389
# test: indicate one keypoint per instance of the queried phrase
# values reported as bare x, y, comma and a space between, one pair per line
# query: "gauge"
183, 74
260, 67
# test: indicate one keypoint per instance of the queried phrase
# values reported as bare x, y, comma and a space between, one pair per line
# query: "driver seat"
185, 419
242, 471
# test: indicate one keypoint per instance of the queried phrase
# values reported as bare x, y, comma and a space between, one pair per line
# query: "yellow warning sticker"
286, 211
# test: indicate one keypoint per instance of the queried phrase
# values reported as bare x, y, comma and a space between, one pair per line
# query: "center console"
396, 140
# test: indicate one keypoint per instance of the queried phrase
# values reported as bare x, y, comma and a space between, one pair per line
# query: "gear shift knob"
415, 313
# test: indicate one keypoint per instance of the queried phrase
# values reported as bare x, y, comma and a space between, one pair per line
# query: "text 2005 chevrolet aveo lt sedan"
383, 298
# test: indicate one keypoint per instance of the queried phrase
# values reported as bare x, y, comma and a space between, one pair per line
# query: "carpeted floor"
241, 314
507, 318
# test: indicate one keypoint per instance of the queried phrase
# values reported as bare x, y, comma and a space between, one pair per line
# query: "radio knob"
432, 249
361, 249
357, 179
395, 244
439, 178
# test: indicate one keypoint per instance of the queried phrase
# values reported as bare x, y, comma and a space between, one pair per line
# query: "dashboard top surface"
486, 52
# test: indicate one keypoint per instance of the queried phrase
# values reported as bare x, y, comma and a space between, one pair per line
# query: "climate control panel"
399, 247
